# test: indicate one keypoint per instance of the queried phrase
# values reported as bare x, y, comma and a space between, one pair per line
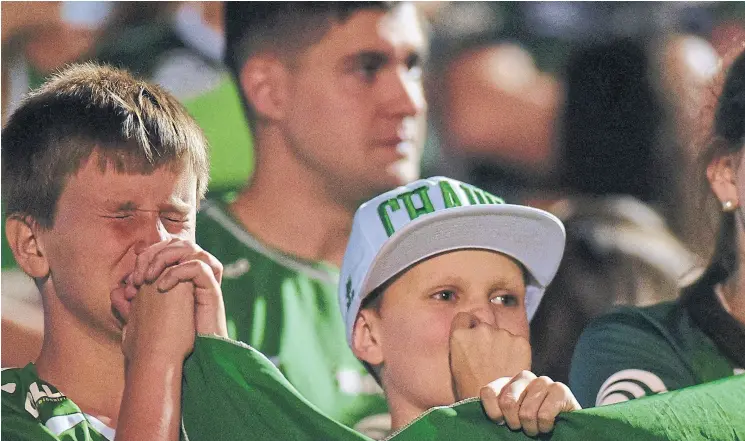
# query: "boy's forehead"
480, 255
102, 178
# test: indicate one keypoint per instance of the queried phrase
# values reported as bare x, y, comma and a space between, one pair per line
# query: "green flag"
232, 391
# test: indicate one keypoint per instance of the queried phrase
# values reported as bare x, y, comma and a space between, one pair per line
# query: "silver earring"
728, 206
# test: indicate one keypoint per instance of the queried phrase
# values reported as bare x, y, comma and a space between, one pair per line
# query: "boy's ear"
264, 81
366, 338
722, 175
22, 234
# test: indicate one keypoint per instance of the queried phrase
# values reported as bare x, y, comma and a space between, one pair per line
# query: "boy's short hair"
283, 27
135, 126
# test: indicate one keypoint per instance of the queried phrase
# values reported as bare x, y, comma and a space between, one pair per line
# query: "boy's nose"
152, 232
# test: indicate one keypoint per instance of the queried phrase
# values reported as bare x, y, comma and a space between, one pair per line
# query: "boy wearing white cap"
438, 284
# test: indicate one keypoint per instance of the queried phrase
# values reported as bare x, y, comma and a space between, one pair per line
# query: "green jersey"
288, 309
633, 352
35, 409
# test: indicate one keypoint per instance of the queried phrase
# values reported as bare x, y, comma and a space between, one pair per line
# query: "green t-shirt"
35, 409
288, 309
231, 392
633, 352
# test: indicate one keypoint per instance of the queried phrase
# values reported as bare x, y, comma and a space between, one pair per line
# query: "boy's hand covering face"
480, 352
527, 402
167, 264
160, 324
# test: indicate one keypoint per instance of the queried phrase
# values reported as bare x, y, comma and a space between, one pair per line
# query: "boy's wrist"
210, 320
157, 356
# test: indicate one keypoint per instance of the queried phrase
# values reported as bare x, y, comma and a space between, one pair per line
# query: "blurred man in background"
333, 94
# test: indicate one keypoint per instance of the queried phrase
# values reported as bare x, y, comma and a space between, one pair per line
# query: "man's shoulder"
222, 235
246, 257
214, 218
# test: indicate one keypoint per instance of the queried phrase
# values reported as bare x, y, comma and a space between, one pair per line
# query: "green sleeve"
625, 356
232, 391
18, 428
710, 411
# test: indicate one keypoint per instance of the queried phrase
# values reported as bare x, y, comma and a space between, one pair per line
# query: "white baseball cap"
399, 228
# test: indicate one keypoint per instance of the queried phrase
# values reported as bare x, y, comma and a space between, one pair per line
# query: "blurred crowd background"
595, 111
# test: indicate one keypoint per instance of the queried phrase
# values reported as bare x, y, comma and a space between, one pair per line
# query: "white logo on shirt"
628, 382
236, 269
34, 395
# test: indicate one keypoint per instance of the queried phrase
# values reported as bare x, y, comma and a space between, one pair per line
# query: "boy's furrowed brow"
125, 206
174, 205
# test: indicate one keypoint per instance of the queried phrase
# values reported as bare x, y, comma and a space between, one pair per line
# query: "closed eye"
120, 216
176, 219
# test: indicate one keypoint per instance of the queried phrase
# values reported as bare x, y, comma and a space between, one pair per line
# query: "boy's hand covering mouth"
167, 264
481, 353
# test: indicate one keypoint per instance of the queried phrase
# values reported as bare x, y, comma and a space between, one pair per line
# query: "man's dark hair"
286, 27
135, 126
255, 26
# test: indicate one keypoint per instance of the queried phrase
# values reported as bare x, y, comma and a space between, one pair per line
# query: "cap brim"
533, 237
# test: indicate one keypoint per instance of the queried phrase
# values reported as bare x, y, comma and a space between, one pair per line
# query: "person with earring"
634, 352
